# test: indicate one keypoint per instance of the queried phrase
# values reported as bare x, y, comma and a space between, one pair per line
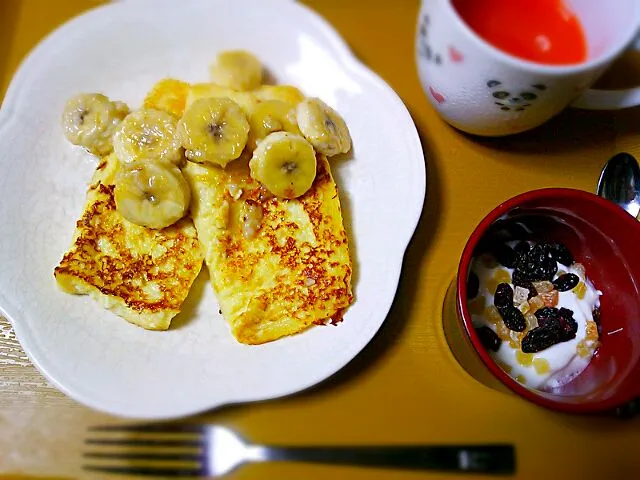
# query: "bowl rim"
464, 317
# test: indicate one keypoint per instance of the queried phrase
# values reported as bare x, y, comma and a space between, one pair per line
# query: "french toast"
141, 274
293, 272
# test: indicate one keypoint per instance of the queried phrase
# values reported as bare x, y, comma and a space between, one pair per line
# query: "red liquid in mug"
542, 31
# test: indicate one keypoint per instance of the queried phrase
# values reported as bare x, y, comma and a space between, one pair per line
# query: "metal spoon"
620, 182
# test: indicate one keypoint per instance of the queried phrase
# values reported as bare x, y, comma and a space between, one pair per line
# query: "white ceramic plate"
122, 49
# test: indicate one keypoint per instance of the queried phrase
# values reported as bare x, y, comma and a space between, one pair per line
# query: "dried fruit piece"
545, 314
551, 298
536, 303
543, 286
580, 290
521, 379
540, 338
520, 295
504, 254
560, 253
503, 332
568, 326
592, 330
513, 318
476, 306
502, 276
524, 359
473, 285
532, 321
566, 282
489, 338
492, 315
503, 297
541, 366
583, 349
524, 308
596, 318
534, 266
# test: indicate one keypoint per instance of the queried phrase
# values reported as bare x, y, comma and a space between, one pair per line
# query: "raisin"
503, 297
560, 253
473, 285
504, 254
544, 314
566, 282
489, 338
522, 247
513, 318
568, 326
534, 266
539, 338
596, 318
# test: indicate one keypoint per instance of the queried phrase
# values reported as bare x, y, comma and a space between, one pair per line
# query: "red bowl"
604, 238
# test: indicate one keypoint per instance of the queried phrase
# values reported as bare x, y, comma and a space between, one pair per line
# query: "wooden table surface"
405, 386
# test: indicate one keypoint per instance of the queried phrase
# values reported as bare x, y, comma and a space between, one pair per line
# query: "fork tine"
144, 442
177, 457
151, 427
147, 471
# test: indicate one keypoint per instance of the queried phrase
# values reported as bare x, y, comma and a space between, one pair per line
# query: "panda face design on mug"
518, 100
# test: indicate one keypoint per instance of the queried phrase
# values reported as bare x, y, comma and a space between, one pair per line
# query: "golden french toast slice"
277, 265
141, 274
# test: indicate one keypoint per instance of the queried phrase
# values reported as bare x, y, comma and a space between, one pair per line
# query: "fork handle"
491, 459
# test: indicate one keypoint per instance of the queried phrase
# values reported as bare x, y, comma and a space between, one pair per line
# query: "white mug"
482, 90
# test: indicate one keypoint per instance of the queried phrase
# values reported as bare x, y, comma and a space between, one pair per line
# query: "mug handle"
593, 99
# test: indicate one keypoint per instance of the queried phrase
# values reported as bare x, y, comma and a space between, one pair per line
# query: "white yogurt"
563, 359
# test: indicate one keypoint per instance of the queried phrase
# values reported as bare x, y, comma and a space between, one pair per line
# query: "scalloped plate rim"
338, 46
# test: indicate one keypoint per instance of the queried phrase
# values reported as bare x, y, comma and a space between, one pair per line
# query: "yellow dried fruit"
583, 349
492, 315
502, 276
476, 306
524, 308
541, 366
535, 304
532, 320
580, 290
524, 359
521, 379
543, 287
503, 331
592, 330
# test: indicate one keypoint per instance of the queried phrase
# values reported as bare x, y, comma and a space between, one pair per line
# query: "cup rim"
464, 316
607, 57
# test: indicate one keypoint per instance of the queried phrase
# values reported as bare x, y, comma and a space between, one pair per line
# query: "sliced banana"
151, 194
147, 134
213, 130
90, 120
323, 127
285, 93
285, 163
268, 117
246, 100
237, 69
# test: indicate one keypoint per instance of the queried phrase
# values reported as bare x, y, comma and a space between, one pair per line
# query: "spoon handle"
488, 459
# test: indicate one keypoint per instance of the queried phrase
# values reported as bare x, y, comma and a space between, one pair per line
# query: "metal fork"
179, 450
